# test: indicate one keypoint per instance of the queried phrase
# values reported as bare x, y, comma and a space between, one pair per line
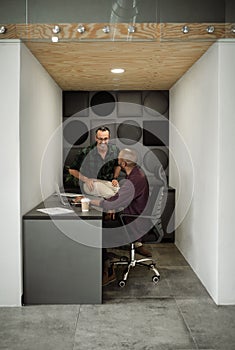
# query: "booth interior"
136, 119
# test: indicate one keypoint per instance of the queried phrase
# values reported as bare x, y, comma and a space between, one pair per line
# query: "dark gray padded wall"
155, 103
102, 104
155, 132
129, 132
129, 104
75, 131
143, 127
155, 156
134, 118
76, 105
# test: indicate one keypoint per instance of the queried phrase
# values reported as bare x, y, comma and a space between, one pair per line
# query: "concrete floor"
177, 313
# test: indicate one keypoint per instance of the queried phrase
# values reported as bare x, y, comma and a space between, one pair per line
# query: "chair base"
132, 262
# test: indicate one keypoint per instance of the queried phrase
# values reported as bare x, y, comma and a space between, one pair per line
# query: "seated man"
132, 197
96, 166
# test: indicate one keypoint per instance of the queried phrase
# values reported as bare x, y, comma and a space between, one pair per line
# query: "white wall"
30, 107
226, 286
197, 109
10, 266
40, 117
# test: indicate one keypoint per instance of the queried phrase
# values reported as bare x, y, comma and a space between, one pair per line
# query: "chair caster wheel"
155, 279
122, 283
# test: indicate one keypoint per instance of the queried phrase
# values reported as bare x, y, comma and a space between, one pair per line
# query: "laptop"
67, 199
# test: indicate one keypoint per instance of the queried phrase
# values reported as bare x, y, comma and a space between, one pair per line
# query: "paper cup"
85, 204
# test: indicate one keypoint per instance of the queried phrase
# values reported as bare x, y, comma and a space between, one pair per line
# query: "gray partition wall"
135, 118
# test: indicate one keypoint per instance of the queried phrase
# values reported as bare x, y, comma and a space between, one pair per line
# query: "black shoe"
142, 251
108, 279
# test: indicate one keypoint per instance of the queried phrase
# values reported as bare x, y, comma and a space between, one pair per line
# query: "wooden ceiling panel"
148, 65
154, 57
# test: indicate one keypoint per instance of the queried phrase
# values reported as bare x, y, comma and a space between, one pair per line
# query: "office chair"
153, 213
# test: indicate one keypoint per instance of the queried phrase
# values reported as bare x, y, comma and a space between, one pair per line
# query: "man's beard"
103, 146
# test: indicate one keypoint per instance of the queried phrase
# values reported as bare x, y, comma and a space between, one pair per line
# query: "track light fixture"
131, 29
3, 30
185, 29
210, 29
106, 29
81, 29
56, 29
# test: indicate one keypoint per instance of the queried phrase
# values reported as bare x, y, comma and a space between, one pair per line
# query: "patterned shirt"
90, 163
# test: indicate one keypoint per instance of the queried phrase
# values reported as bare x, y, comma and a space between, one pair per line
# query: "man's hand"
90, 184
115, 183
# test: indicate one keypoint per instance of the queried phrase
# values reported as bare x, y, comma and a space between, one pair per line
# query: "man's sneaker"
142, 251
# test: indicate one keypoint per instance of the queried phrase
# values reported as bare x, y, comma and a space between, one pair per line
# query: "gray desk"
62, 258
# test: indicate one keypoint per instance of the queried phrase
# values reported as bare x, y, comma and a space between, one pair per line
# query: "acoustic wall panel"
156, 103
129, 104
76, 104
102, 104
75, 132
155, 132
129, 132
155, 157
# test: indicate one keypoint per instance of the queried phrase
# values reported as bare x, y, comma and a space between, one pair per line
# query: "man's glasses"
102, 139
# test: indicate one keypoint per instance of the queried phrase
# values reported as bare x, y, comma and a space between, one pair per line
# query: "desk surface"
53, 201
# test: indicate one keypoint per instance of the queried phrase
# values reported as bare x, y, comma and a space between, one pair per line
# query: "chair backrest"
156, 198
157, 201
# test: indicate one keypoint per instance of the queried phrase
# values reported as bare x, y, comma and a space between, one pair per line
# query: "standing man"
97, 167
132, 197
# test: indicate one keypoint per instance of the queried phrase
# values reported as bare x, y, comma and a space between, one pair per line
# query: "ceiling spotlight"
117, 70
81, 29
2, 29
210, 29
56, 29
185, 29
131, 29
55, 39
106, 29
233, 29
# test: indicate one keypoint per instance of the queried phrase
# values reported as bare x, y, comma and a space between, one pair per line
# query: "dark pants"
108, 224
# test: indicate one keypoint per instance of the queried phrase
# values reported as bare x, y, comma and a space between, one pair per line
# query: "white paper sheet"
56, 211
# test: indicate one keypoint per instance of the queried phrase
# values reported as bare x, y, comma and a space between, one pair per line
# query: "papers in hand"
70, 195
56, 211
